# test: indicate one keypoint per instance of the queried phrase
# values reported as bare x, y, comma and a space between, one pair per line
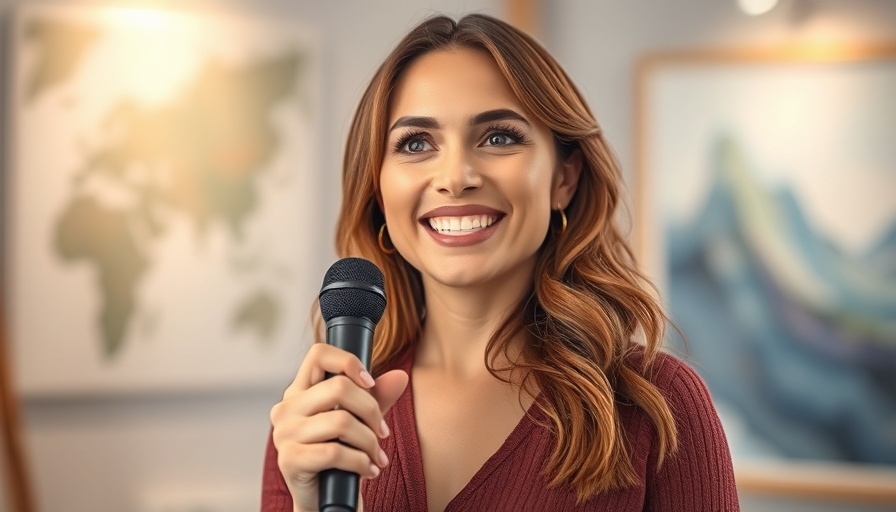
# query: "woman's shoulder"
673, 377
402, 360
697, 474
685, 392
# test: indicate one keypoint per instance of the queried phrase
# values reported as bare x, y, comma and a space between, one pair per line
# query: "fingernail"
383, 458
374, 470
367, 379
384, 429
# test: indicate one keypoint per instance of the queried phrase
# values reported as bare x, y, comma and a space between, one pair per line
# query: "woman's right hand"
315, 413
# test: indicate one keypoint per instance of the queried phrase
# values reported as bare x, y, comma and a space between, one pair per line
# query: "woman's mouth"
460, 226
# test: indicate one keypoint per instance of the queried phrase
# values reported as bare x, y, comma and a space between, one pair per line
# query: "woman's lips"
457, 226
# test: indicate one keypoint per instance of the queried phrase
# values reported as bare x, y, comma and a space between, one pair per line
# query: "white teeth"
461, 225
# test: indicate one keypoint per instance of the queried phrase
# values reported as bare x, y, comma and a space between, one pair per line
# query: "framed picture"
159, 193
766, 212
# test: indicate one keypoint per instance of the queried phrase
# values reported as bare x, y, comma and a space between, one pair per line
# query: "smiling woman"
454, 154
517, 363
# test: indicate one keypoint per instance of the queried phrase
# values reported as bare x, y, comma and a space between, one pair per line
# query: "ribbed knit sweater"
698, 477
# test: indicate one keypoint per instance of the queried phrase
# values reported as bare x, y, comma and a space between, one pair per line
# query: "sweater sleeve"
275, 496
699, 475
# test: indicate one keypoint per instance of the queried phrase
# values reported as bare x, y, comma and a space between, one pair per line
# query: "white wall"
120, 454
600, 41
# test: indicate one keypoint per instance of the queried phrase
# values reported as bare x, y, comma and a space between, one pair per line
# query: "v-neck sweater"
698, 477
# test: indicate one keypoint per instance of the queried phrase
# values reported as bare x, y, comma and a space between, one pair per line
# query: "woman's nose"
457, 173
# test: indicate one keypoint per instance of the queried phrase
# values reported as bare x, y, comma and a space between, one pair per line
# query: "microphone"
352, 300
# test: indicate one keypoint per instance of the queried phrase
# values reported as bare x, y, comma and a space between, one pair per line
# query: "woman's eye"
415, 146
504, 136
500, 139
412, 144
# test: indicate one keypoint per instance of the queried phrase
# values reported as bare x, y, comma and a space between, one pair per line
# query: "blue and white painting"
772, 187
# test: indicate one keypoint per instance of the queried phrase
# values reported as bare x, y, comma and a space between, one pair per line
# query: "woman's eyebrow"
430, 123
416, 122
500, 114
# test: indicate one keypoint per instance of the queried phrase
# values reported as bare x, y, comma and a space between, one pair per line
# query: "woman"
519, 346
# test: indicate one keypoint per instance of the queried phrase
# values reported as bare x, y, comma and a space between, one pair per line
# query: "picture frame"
158, 193
764, 210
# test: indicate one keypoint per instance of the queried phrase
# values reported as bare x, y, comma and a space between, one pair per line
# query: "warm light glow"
155, 51
756, 7
141, 18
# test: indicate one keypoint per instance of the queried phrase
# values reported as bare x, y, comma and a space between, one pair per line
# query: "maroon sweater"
699, 477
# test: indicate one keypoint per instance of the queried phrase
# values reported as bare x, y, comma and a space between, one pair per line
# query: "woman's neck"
460, 322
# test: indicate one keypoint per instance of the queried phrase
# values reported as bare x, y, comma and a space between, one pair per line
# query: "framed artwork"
766, 213
158, 195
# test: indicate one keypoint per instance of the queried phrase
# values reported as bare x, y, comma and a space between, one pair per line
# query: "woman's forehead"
451, 82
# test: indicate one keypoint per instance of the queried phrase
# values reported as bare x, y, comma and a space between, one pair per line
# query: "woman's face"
469, 176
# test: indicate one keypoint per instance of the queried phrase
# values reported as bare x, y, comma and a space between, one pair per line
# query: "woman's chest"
458, 429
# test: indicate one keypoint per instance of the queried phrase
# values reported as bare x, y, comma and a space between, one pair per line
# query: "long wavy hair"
589, 306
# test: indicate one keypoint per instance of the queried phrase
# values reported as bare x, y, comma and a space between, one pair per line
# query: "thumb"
389, 386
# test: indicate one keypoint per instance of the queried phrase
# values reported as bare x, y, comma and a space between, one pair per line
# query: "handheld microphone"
352, 300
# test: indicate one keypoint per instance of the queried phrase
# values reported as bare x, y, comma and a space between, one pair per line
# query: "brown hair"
589, 304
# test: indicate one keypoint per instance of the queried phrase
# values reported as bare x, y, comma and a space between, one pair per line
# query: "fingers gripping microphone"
352, 301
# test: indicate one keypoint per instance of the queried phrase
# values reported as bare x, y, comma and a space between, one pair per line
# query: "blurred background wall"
202, 451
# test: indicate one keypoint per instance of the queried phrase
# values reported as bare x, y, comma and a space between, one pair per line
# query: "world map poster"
158, 199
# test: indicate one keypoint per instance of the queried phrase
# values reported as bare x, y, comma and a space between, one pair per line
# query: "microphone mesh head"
352, 300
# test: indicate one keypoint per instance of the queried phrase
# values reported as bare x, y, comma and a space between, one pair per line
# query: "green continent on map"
60, 46
260, 313
89, 231
201, 153
197, 157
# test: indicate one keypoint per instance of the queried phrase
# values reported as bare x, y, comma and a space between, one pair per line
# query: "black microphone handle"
339, 489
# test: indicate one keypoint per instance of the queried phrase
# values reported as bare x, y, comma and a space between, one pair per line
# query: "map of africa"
175, 146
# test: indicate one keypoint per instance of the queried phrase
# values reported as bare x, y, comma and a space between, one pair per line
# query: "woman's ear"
567, 181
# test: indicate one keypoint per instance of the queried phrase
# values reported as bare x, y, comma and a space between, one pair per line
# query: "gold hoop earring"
562, 219
379, 240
